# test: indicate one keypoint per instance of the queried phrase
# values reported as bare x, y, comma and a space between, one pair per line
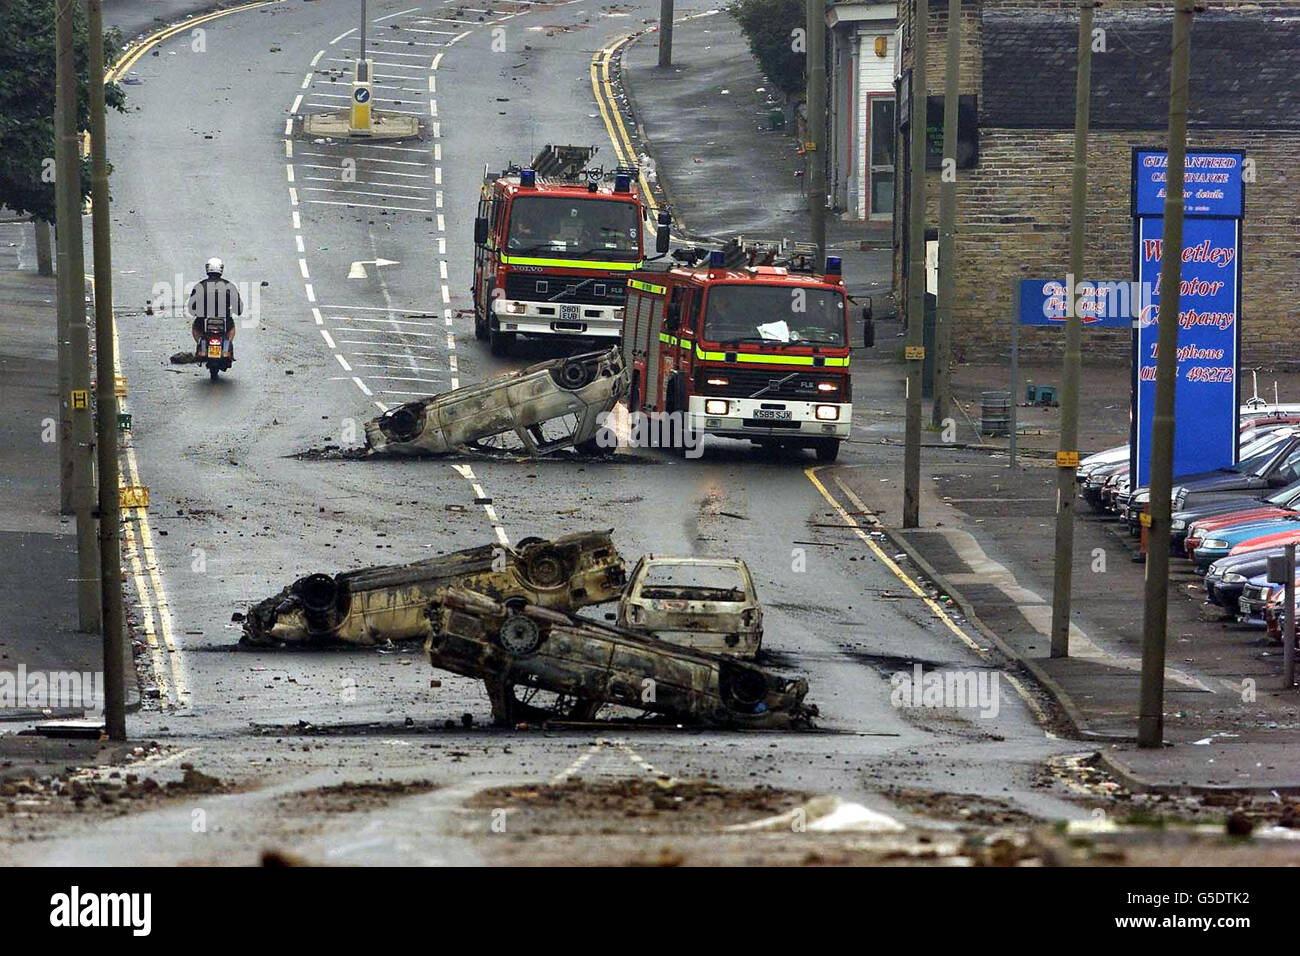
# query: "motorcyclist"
214, 298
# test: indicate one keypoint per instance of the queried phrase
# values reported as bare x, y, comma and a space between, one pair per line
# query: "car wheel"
574, 375
519, 635
546, 568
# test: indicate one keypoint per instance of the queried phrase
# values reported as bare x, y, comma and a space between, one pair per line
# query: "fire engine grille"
535, 287
743, 383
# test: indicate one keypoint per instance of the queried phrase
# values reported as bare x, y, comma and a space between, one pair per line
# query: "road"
204, 166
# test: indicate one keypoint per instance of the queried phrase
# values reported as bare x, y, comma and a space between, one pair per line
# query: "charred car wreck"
580, 665
379, 604
534, 411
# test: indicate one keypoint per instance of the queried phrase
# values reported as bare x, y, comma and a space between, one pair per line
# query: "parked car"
1269, 462
1227, 576
1225, 506
707, 603
1258, 597
1249, 537
535, 411
393, 602
540, 664
1210, 525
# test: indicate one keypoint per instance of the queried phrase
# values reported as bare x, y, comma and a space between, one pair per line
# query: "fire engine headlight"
716, 406
827, 413
716, 380
516, 308
826, 386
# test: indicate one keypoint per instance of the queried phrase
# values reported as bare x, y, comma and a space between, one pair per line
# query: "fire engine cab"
553, 246
758, 352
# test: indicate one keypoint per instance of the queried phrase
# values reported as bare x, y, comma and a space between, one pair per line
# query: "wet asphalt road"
201, 169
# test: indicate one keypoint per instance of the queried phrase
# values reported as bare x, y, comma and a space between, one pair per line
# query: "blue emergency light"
833, 266
622, 183
716, 259
528, 177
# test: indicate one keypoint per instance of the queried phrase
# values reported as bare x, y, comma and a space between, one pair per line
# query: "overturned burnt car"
534, 411
392, 602
579, 665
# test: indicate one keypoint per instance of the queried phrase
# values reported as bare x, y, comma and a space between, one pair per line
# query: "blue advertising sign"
1212, 183
1206, 393
1102, 305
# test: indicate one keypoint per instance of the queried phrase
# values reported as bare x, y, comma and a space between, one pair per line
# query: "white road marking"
389, 16
317, 316
343, 362
329, 339
359, 318
342, 35
297, 220
362, 385
302, 266
366, 182
311, 293
293, 196
297, 102
436, 60
298, 241
316, 58
366, 205
288, 148
306, 80
422, 335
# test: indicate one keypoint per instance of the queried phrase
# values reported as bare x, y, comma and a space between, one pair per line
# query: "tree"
775, 31
27, 101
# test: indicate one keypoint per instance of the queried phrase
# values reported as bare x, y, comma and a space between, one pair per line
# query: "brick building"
1013, 214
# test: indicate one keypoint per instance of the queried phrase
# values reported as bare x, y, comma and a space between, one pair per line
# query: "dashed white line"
343, 362
362, 385
329, 339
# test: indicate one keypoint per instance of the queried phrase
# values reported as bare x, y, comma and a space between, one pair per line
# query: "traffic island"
337, 124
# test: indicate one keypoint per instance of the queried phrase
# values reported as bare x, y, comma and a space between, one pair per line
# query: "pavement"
987, 534
38, 546
705, 126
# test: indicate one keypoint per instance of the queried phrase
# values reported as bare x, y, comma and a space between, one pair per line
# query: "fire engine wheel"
480, 327
828, 449
500, 343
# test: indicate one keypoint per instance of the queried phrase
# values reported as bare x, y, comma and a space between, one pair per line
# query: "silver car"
706, 603
535, 411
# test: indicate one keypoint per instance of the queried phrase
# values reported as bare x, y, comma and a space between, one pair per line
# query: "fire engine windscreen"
560, 226
792, 315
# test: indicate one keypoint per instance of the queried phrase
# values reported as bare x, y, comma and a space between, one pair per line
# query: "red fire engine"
553, 245
758, 352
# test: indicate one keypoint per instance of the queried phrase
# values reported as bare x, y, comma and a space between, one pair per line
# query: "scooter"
218, 351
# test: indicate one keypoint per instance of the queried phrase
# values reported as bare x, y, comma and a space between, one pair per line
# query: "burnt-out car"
706, 603
535, 411
579, 665
391, 602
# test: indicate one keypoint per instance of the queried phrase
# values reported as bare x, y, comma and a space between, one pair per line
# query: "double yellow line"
156, 617
603, 89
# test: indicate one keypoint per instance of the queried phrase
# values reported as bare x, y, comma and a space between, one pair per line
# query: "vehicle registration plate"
773, 414
1243, 605
214, 351
570, 313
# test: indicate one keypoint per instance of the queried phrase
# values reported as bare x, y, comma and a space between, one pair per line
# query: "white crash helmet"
214, 266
